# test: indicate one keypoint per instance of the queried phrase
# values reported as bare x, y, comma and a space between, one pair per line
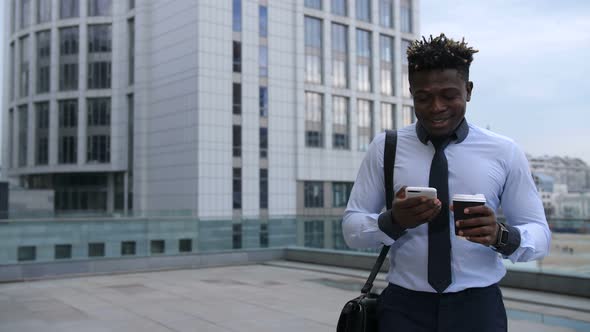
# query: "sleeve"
367, 198
524, 211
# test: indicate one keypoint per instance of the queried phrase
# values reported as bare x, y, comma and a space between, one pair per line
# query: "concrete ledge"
74, 268
539, 281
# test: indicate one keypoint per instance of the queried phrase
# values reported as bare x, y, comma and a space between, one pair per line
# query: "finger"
424, 211
401, 194
475, 222
431, 214
451, 208
480, 209
411, 202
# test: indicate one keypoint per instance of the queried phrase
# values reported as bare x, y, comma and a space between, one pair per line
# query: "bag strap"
388, 163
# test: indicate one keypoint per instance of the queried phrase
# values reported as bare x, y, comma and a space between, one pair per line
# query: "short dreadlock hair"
440, 53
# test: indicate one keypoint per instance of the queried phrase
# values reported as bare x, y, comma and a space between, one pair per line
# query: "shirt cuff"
513, 241
388, 226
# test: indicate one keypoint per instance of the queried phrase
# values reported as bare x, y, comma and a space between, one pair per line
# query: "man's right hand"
414, 211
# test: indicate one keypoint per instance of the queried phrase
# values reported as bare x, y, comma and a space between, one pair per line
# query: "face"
440, 99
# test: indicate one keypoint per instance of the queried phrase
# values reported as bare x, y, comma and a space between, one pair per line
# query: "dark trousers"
474, 309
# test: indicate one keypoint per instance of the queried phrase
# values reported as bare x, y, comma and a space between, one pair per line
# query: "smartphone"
421, 191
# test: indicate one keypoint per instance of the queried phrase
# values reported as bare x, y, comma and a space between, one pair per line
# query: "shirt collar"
458, 135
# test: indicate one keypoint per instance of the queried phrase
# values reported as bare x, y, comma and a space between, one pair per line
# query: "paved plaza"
277, 296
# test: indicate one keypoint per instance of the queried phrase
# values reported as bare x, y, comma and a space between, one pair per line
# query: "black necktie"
439, 242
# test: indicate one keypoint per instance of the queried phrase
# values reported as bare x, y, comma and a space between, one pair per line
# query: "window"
96, 249
11, 82
340, 121
63, 251
27, 253
11, 161
363, 10
12, 15
315, 4
69, 8
263, 101
313, 192
313, 234
313, 50
131, 50
237, 188
406, 15
236, 236
128, 248
407, 115
263, 61
25, 13
405, 75
68, 59
263, 142
363, 59
157, 246
386, 13
313, 119
237, 16
237, 141
339, 55
365, 123
99, 56
42, 133
263, 239
98, 148
237, 55
387, 116
25, 55
263, 21
43, 60
68, 131
185, 245
237, 98
99, 112
264, 188
387, 65
131, 4
99, 7
23, 124
339, 7
341, 193
43, 11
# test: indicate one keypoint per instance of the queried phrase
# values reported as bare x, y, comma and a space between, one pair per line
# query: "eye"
422, 98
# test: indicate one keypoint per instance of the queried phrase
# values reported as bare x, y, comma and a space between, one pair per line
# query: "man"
439, 281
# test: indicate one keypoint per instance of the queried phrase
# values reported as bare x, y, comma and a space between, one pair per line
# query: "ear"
469, 88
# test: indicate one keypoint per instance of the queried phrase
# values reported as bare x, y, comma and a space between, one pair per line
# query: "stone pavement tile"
218, 311
164, 313
196, 325
526, 326
547, 310
274, 325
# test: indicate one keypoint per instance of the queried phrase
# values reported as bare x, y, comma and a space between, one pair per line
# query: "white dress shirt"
483, 163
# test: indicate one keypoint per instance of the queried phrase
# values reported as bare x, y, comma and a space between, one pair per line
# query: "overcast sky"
531, 76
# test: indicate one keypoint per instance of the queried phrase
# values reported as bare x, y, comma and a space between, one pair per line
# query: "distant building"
573, 172
216, 109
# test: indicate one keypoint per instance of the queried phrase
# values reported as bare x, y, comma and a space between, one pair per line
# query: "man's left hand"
482, 229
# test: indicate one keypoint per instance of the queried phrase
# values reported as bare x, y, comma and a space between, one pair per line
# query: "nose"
438, 105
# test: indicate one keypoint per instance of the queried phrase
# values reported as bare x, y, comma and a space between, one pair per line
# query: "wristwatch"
502, 236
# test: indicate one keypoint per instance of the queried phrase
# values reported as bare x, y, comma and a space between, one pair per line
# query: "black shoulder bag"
360, 313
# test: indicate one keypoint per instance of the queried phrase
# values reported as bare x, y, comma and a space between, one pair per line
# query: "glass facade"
100, 7
25, 56
406, 16
99, 56
25, 13
339, 55
69, 8
364, 110
386, 13
314, 119
131, 51
341, 193
263, 142
405, 74
340, 120
339, 7
43, 60
387, 65
237, 98
263, 61
407, 116
237, 16
237, 188
363, 10
98, 140
313, 50
237, 140
263, 21
264, 188
315, 4
43, 11
68, 58
387, 116
23, 144
263, 101
313, 193
42, 133
363, 60
68, 131
237, 56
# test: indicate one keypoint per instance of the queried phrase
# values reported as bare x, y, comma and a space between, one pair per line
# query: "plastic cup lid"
469, 198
